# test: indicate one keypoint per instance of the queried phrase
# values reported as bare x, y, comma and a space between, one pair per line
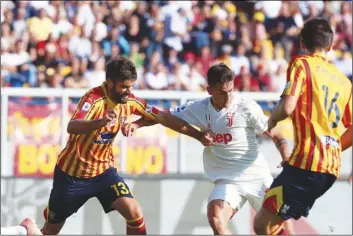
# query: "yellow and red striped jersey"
88, 155
324, 103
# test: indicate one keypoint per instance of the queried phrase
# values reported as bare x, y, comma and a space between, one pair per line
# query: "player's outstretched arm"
281, 144
284, 109
172, 122
168, 120
128, 129
296, 77
86, 126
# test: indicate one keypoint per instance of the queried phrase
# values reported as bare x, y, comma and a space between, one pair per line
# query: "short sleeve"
347, 115
86, 108
257, 119
296, 75
190, 112
141, 108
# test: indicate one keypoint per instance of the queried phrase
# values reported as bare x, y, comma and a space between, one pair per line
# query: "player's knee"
260, 226
216, 223
52, 229
259, 229
133, 211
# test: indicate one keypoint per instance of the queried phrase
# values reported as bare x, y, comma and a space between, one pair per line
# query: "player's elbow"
72, 128
161, 117
276, 135
288, 109
289, 104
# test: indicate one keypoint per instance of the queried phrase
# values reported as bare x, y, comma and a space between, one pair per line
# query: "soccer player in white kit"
234, 163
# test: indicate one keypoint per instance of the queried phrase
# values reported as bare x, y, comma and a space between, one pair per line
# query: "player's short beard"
119, 98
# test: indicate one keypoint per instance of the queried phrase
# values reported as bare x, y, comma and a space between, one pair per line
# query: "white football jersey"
235, 155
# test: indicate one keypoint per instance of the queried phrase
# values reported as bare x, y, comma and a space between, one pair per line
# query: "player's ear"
330, 47
110, 83
209, 90
302, 46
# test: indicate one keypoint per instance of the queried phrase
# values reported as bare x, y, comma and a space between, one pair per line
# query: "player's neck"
319, 52
217, 107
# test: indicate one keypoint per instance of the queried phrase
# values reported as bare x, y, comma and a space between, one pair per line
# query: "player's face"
119, 91
221, 93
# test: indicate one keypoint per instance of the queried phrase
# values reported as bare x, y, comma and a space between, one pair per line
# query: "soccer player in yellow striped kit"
318, 97
85, 168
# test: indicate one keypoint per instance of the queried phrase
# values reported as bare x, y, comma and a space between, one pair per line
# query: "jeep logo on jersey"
224, 138
104, 138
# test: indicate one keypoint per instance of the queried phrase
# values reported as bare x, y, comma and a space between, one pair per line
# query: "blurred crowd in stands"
67, 43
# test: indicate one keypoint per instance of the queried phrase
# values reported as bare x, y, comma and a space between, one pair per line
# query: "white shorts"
236, 193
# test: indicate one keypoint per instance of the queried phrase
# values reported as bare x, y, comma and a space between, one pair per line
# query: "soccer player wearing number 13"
85, 167
318, 97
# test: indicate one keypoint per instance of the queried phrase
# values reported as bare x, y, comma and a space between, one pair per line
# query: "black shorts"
70, 193
294, 191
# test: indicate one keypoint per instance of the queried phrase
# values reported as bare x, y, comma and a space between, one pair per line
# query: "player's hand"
350, 179
271, 124
207, 138
284, 160
110, 115
128, 129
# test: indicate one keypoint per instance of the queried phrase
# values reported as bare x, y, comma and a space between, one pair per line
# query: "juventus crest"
230, 119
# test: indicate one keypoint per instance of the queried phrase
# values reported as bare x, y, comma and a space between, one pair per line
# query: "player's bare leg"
267, 223
51, 228
288, 227
219, 213
131, 211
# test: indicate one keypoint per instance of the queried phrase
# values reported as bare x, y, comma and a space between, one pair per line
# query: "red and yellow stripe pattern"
89, 155
324, 97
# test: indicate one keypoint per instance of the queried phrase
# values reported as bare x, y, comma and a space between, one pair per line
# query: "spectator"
41, 26
205, 59
96, 76
278, 79
19, 24
264, 78
278, 60
81, 46
245, 81
76, 79
240, 60
65, 43
156, 77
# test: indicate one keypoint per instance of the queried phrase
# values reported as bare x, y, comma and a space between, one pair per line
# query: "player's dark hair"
120, 69
317, 34
219, 73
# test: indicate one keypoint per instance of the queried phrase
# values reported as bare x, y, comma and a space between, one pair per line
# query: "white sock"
14, 230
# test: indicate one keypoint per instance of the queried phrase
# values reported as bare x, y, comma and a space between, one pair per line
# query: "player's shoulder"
245, 104
94, 95
132, 98
243, 101
194, 106
298, 59
198, 104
